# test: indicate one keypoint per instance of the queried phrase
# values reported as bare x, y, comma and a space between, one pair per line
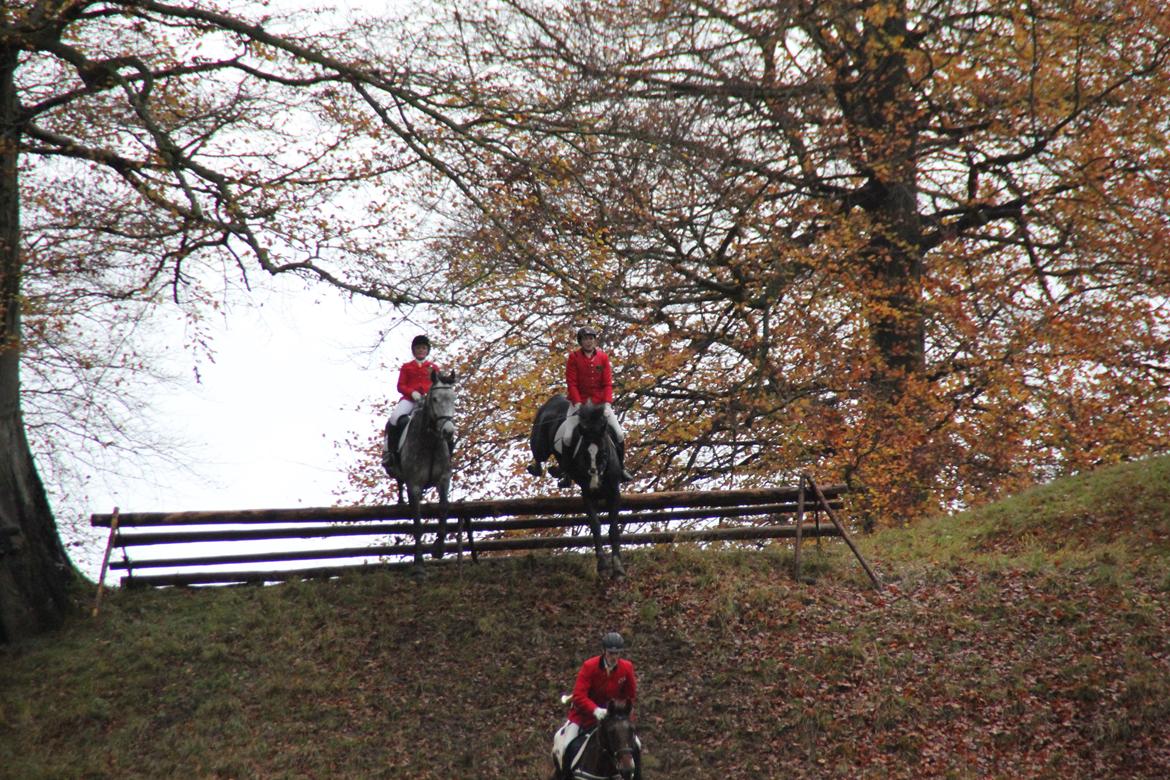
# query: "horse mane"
442, 377
592, 418
619, 707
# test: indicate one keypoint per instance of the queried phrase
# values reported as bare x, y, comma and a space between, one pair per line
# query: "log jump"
209, 547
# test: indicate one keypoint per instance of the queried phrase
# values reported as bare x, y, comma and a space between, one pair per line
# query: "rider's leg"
562, 441
621, 453
565, 432
565, 735
398, 419
619, 437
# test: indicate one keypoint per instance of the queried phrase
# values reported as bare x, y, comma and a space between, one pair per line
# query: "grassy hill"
1028, 639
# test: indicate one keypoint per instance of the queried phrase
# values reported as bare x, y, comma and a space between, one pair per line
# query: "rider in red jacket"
589, 374
414, 381
601, 679
589, 377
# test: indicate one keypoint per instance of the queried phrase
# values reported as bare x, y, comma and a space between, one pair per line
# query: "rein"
612, 755
435, 422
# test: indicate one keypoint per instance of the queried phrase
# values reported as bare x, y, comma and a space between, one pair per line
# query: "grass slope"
1028, 639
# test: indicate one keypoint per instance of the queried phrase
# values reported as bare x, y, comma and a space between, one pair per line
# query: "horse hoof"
619, 569
602, 565
438, 550
418, 571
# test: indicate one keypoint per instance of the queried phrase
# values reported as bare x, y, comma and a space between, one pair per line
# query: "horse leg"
615, 541
595, 529
415, 494
444, 486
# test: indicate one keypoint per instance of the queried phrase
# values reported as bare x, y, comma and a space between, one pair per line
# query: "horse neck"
594, 756
421, 436
598, 756
604, 441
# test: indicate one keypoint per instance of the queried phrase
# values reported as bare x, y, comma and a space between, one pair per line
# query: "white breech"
565, 734
404, 407
565, 432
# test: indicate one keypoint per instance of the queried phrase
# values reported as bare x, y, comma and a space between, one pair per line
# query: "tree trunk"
35, 572
885, 110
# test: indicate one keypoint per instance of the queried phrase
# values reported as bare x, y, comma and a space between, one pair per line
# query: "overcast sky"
293, 370
291, 376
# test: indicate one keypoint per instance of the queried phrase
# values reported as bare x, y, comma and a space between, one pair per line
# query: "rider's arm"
404, 380
415, 378
571, 379
607, 381
581, 700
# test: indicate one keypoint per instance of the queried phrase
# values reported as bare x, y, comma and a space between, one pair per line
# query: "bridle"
435, 421
614, 755
601, 441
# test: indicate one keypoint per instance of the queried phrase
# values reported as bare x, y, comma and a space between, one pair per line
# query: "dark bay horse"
424, 459
610, 751
592, 462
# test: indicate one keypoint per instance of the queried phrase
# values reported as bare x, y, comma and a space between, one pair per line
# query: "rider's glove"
600, 712
416, 395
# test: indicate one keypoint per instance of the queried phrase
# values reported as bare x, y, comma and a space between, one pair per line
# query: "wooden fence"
218, 546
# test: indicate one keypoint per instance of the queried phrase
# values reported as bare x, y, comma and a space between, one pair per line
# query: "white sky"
292, 369
291, 374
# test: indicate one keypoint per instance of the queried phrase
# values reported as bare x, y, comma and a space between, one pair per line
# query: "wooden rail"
254, 536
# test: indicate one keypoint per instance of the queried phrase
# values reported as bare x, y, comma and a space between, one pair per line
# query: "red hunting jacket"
589, 377
596, 687
415, 376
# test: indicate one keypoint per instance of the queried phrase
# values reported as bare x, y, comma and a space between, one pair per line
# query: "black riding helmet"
420, 339
612, 641
582, 332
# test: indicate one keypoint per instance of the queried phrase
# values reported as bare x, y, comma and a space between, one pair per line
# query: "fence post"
844, 534
799, 524
97, 601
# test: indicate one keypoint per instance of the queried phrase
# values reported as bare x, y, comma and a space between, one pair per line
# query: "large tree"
918, 245
147, 150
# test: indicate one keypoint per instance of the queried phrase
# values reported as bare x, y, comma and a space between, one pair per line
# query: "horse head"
618, 740
594, 452
440, 403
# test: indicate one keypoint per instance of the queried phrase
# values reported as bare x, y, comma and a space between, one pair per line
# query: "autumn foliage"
919, 247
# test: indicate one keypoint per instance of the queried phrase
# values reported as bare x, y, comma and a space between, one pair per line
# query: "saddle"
572, 754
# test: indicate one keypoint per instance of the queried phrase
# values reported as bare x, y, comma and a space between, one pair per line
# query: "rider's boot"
396, 440
536, 468
621, 453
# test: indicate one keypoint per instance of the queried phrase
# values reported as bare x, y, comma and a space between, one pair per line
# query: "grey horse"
424, 458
